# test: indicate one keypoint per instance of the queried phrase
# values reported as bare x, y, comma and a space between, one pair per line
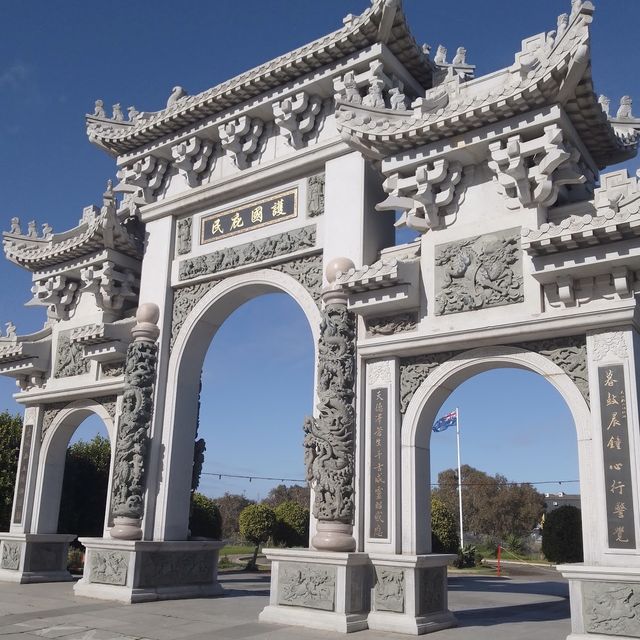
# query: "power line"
433, 484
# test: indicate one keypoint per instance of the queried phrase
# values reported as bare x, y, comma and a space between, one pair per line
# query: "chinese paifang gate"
288, 178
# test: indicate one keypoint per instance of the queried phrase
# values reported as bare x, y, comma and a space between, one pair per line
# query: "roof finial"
441, 55
99, 111
604, 102
178, 93
624, 111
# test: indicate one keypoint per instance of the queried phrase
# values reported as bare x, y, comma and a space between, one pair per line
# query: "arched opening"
68, 429
184, 373
426, 404
437, 394
518, 459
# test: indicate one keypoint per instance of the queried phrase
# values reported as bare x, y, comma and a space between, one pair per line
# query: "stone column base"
142, 571
34, 557
605, 601
318, 589
409, 593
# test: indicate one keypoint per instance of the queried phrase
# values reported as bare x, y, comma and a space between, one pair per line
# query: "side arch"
183, 380
421, 413
52, 457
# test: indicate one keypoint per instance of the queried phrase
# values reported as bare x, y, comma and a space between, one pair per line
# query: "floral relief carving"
609, 345
10, 555
414, 371
379, 373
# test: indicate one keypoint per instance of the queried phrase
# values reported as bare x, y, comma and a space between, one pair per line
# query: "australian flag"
448, 420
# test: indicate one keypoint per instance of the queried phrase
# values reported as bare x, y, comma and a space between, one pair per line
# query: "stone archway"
189, 348
55, 440
421, 413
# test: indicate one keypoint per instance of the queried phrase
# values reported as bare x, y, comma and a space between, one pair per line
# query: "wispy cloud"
13, 76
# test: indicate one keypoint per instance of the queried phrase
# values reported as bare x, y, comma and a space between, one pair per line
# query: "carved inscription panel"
379, 464
479, 272
260, 213
307, 585
22, 472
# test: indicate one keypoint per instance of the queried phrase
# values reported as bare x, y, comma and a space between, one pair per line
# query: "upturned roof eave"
361, 32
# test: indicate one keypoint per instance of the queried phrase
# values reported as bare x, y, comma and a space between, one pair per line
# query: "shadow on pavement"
501, 585
493, 616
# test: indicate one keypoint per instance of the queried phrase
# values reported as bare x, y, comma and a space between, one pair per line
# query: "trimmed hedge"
562, 535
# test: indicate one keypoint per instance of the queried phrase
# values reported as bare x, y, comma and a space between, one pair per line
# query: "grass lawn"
236, 549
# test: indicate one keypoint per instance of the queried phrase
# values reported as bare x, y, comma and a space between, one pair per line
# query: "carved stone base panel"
319, 590
136, 571
605, 601
29, 557
409, 594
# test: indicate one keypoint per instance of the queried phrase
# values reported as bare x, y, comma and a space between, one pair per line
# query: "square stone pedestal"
34, 557
409, 593
605, 601
141, 571
318, 589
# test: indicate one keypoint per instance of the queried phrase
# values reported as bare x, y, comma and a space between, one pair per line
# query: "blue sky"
56, 58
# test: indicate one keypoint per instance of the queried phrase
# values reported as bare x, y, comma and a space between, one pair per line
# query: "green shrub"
444, 528
257, 524
75, 560
292, 525
514, 543
562, 535
206, 521
466, 557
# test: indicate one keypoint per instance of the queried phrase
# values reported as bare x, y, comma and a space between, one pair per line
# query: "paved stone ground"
524, 607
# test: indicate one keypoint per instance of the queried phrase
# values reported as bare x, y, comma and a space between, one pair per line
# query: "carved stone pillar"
330, 437
127, 498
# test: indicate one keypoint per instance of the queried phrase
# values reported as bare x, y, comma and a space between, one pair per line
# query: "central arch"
420, 416
183, 376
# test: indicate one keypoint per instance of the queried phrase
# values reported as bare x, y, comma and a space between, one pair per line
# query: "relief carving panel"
612, 608
389, 590
307, 585
109, 567
10, 556
159, 569
414, 371
479, 272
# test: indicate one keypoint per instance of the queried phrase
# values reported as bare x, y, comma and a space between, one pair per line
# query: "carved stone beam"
111, 286
329, 439
132, 440
191, 157
240, 138
147, 174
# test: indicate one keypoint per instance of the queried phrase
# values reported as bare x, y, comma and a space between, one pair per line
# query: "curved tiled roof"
358, 33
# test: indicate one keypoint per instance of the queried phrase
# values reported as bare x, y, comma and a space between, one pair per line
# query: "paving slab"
520, 607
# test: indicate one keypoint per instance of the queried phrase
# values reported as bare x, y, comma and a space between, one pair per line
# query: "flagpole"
459, 477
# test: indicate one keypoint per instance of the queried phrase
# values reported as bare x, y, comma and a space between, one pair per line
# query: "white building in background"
287, 178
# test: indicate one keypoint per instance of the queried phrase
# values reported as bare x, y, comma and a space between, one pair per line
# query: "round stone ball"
336, 266
148, 312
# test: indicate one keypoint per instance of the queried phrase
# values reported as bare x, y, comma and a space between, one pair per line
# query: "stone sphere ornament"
336, 266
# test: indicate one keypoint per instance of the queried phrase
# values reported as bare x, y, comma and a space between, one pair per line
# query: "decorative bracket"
531, 173
425, 196
240, 138
57, 293
191, 157
147, 174
296, 116
111, 286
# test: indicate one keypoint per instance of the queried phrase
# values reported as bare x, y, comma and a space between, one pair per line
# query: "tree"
257, 524
10, 435
84, 488
231, 505
294, 493
444, 528
562, 535
491, 504
292, 525
205, 521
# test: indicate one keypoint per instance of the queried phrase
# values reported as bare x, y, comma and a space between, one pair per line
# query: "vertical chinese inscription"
617, 467
379, 463
22, 473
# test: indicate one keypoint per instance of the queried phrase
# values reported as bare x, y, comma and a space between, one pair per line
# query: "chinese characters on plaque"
379, 464
617, 468
260, 213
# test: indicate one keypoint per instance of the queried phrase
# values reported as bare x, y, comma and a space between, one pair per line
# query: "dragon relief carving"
388, 325
248, 253
70, 359
414, 371
133, 430
570, 354
479, 272
329, 438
